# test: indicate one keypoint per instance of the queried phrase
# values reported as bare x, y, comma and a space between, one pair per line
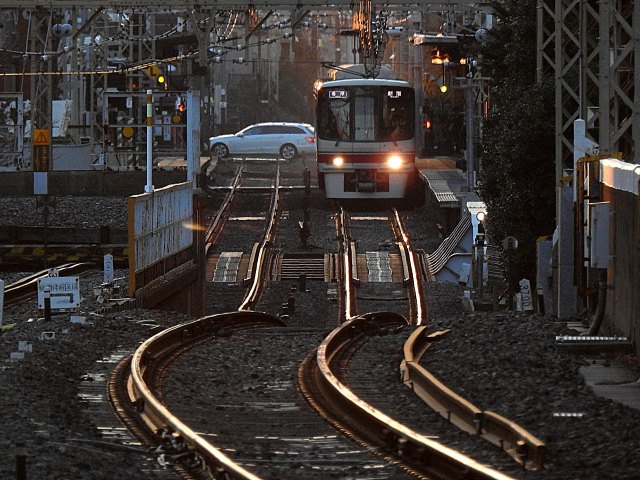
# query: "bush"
517, 174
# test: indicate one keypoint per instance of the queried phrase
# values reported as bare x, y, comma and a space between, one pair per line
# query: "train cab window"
365, 119
397, 115
397, 128
333, 120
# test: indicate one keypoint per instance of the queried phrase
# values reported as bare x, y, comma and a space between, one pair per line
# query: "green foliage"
517, 174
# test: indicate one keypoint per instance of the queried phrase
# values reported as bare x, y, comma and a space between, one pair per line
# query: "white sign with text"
525, 292
64, 292
108, 268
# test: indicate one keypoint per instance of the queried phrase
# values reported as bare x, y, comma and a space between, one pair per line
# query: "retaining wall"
621, 187
86, 183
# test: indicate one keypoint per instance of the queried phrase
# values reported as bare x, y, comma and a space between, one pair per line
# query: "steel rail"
521, 445
408, 446
348, 262
156, 416
28, 285
215, 226
414, 277
398, 440
260, 258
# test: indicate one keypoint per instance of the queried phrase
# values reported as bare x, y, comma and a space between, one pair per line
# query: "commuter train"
365, 137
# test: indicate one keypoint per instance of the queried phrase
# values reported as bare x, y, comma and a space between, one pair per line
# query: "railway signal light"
157, 75
180, 104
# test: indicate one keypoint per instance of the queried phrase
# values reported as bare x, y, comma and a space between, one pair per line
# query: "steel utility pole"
470, 154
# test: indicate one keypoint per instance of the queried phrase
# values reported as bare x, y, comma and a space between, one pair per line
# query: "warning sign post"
41, 149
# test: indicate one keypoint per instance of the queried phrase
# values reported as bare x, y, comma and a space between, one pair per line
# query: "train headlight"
338, 161
394, 162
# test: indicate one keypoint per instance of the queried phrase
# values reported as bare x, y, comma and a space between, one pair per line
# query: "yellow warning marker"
41, 136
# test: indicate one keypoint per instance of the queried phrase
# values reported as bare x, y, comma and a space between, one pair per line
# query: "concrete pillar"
544, 281
567, 291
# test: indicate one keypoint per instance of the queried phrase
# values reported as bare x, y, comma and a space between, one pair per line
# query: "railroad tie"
227, 267
379, 266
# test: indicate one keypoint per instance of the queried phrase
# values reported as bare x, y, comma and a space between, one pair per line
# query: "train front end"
366, 138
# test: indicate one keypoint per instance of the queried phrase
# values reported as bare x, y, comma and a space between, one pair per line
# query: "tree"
517, 174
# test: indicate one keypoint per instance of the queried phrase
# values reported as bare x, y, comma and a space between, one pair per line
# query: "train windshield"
366, 113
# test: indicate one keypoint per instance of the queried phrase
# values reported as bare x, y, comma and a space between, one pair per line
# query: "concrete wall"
88, 183
621, 187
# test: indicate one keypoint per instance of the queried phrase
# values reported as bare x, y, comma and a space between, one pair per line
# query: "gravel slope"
502, 361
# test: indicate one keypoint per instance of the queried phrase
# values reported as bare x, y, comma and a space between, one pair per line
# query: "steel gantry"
591, 49
102, 39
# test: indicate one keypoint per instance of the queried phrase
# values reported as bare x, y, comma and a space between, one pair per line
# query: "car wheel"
220, 150
288, 151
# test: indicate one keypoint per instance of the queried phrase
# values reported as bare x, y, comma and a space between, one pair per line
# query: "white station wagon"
273, 138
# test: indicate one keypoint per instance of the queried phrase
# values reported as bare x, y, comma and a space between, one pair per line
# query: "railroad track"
314, 266
335, 446
27, 286
253, 437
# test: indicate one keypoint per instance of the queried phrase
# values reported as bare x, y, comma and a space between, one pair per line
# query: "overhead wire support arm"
232, 4
259, 24
202, 36
297, 15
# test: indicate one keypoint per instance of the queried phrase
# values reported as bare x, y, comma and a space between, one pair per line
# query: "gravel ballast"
502, 361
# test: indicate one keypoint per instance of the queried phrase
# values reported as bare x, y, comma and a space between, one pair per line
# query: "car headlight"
338, 161
394, 162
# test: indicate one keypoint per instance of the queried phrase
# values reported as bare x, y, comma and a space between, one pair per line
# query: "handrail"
438, 259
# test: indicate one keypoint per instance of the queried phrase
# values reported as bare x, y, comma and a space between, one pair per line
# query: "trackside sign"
64, 292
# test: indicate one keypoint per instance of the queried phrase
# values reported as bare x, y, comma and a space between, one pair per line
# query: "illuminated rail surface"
261, 182
269, 447
261, 420
276, 433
